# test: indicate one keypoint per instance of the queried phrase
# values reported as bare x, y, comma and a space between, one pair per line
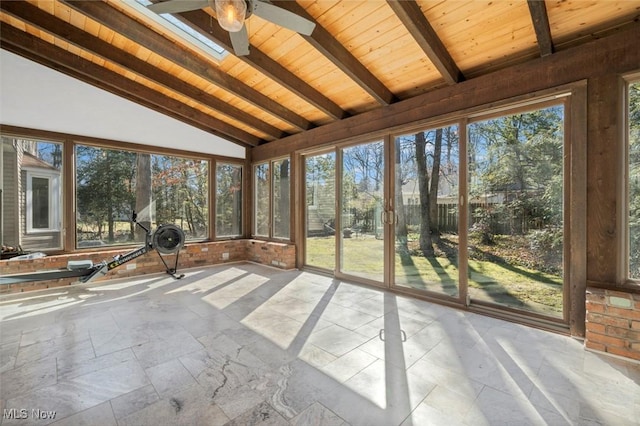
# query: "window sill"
630, 286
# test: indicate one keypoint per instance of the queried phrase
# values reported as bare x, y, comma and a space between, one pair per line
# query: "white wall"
38, 97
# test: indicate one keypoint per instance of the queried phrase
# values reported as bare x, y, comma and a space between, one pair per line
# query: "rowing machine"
167, 239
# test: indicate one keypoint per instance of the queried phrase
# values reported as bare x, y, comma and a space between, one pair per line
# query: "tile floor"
246, 344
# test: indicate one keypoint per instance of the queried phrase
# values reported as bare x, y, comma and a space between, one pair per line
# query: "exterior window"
261, 200
426, 206
634, 181
161, 189
272, 199
31, 208
516, 212
228, 200
281, 204
320, 212
40, 200
40, 203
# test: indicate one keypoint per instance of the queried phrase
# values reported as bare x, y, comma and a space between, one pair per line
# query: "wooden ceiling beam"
141, 34
202, 22
326, 44
48, 23
615, 54
421, 30
540, 19
51, 56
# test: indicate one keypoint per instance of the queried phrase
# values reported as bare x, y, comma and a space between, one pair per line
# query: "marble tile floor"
244, 344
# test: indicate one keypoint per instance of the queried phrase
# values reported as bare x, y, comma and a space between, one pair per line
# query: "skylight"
180, 29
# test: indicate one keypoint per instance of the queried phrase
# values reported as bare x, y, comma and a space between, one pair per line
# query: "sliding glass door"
471, 211
426, 210
516, 211
345, 215
363, 217
320, 211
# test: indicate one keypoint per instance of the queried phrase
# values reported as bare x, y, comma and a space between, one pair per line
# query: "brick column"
613, 322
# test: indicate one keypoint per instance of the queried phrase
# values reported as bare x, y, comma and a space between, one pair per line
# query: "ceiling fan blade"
177, 6
240, 41
283, 17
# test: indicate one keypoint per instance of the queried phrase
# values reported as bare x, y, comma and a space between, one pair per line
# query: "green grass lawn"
496, 281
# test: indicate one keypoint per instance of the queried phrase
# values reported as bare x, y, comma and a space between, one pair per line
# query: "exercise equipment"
166, 240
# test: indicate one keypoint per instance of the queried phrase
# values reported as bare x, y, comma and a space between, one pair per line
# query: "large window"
228, 200
634, 180
31, 209
281, 188
426, 206
161, 189
515, 242
261, 200
272, 199
320, 212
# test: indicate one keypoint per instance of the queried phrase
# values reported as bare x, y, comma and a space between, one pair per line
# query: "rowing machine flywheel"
168, 239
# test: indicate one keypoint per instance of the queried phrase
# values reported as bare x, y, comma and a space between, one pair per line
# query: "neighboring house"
31, 201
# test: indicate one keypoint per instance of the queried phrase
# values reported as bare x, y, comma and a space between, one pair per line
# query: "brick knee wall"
613, 322
280, 255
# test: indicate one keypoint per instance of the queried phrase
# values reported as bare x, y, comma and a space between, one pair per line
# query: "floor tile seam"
195, 379
538, 408
132, 358
357, 372
54, 355
326, 408
423, 401
130, 392
86, 409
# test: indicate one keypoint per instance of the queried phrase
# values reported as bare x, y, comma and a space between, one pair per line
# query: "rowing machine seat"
76, 265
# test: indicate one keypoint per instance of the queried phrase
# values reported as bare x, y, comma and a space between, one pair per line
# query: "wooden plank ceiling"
362, 55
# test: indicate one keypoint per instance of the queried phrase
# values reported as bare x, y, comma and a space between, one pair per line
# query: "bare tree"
143, 192
428, 187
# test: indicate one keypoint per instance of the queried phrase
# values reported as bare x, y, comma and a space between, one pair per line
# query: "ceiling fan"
231, 15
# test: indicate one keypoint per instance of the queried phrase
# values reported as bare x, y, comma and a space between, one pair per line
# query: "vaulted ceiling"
362, 55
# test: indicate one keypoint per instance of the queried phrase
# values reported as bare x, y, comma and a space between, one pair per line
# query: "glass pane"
516, 210
634, 181
362, 228
261, 200
40, 203
426, 204
161, 189
228, 200
31, 209
281, 189
320, 247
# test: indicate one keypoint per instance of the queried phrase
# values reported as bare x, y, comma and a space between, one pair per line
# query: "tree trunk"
401, 224
110, 226
283, 207
433, 189
236, 203
143, 193
426, 244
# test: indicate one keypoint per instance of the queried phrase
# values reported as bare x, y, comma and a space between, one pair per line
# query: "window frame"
214, 191
535, 104
271, 208
54, 206
626, 239
136, 149
67, 184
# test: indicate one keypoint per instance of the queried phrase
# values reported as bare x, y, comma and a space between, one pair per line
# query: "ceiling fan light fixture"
231, 14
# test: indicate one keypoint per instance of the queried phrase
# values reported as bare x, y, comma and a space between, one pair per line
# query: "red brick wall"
613, 322
280, 255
